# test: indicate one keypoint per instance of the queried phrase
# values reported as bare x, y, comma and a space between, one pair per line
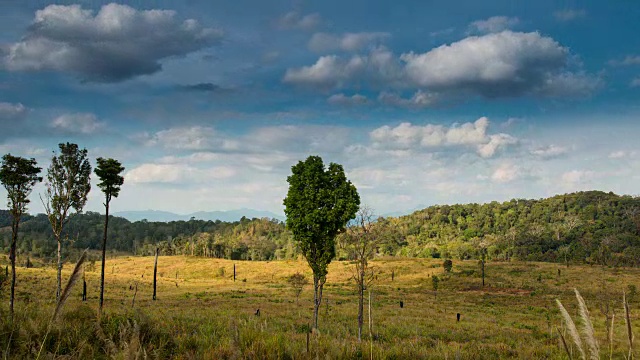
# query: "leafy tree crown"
18, 175
319, 203
108, 170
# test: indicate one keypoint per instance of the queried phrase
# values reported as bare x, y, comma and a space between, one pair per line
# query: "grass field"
202, 313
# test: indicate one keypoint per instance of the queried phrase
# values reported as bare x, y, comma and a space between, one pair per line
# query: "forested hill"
592, 226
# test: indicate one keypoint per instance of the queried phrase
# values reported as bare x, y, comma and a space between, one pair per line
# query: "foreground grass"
202, 313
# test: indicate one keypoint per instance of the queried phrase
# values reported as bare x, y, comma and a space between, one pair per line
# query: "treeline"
592, 227
247, 239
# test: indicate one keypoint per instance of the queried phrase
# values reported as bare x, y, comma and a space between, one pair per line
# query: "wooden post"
133, 302
84, 285
234, 272
308, 332
393, 274
155, 272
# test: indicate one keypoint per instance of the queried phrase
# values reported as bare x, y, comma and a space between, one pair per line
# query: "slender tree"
68, 184
18, 176
361, 240
108, 171
319, 203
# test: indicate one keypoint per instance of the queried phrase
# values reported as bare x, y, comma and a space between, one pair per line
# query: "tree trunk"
360, 304
12, 258
104, 250
59, 276
318, 284
155, 272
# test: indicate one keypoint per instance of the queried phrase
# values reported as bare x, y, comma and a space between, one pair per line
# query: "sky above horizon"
208, 104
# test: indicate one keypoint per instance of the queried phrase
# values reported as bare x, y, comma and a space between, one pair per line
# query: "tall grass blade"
75, 275
564, 343
587, 328
573, 331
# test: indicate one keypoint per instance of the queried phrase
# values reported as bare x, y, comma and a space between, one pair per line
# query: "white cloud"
504, 64
420, 99
344, 100
496, 142
117, 43
324, 42
549, 152
191, 138
80, 123
627, 61
294, 20
332, 71
494, 24
574, 177
407, 136
569, 14
506, 172
176, 173
500, 64
620, 154
9, 111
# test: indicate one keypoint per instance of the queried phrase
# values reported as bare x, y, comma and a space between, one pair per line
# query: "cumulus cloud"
501, 64
295, 20
407, 136
9, 111
116, 44
190, 138
344, 100
549, 152
332, 71
323, 42
494, 24
496, 142
81, 123
569, 14
506, 172
420, 99
175, 173
575, 177
504, 64
629, 60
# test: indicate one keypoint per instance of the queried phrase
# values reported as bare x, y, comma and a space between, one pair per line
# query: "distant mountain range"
166, 216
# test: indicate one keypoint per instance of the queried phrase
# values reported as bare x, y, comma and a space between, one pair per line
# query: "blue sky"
208, 104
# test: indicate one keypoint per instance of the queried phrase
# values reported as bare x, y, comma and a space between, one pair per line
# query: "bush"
447, 265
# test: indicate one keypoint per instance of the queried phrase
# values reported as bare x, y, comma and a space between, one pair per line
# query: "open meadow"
200, 312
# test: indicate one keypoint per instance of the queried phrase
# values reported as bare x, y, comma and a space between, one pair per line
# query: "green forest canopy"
592, 226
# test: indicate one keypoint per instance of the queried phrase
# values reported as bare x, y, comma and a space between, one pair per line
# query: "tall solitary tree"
361, 240
108, 171
68, 184
319, 203
18, 176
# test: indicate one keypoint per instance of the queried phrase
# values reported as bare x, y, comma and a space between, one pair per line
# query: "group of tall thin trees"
67, 185
321, 205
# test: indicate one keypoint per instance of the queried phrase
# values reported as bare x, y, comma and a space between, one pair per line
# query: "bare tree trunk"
155, 272
318, 284
104, 249
59, 276
360, 304
12, 258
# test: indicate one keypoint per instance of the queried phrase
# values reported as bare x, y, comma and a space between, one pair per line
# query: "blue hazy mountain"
166, 216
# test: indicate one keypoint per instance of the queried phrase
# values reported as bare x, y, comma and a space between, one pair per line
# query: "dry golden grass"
203, 313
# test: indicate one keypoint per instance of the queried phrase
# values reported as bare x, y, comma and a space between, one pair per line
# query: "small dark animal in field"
401, 304
458, 316
257, 312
